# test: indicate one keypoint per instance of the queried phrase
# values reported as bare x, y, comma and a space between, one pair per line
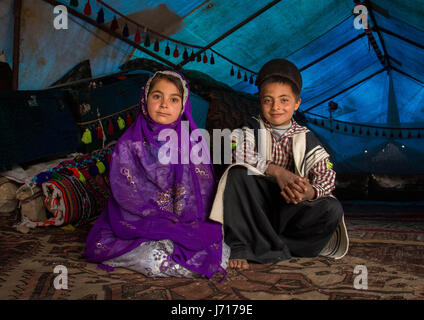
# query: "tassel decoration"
176, 53
110, 129
129, 119
156, 46
43, 177
147, 40
167, 49
239, 75
99, 132
212, 59
121, 123
205, 58
232, 71
185, 54
199, 58
126, 31
100, 16
86, 137
137, 37
192, 56
87, 8
114, 26
101, 167
245, 77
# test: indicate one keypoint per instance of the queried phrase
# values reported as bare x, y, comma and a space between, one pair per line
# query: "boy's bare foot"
238, 264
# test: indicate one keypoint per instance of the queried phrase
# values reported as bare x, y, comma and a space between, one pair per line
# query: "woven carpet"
391, 249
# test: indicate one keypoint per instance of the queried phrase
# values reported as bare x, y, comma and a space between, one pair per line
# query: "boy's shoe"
338, 245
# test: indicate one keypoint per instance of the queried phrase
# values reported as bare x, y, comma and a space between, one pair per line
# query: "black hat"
280, 67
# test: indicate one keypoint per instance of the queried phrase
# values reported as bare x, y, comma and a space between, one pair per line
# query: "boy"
286, 208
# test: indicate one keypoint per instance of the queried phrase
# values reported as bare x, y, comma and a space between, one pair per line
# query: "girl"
156, 220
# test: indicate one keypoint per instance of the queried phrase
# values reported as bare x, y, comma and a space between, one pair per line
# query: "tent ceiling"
302, 31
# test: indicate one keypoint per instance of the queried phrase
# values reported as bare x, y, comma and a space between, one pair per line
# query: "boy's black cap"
280, 67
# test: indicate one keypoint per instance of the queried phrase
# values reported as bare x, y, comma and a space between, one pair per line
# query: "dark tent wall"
6, 32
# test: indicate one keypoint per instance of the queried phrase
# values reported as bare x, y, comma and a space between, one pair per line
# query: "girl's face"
164, 102
278, 103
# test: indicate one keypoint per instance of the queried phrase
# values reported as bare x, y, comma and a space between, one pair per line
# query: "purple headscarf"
153, 201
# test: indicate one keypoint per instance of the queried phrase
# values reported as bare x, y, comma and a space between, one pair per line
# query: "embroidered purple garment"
151, 201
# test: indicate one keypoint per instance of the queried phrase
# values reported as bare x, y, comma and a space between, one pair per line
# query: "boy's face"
278, 103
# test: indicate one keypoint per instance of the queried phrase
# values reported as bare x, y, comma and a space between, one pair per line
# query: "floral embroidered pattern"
172, 201
154, 259
126, 173
202, 173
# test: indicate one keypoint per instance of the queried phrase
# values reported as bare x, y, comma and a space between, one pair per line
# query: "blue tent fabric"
371, 96
411, 11
383, 93
410, 96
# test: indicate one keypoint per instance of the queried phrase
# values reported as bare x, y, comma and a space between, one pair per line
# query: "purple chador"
156, 219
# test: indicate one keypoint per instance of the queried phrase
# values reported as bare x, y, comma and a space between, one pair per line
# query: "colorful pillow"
77, 190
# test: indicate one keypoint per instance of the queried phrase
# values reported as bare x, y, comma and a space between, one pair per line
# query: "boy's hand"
286, 178
292, 195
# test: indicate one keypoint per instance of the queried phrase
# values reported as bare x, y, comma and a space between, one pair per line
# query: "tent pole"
333, 51
407, 75
401, 38
370, 10
17, 8
232, 30
195, 9
344, 90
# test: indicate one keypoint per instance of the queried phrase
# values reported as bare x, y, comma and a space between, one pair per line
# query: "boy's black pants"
260, 226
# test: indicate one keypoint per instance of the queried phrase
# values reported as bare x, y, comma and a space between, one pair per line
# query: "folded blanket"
75, 191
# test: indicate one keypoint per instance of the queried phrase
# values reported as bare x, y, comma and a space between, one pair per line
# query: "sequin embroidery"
172, 201
202, 173
126, 173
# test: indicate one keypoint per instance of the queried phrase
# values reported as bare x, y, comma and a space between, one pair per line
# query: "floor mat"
392, 250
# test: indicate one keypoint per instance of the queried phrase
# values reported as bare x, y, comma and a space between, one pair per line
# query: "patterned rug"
391, 249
